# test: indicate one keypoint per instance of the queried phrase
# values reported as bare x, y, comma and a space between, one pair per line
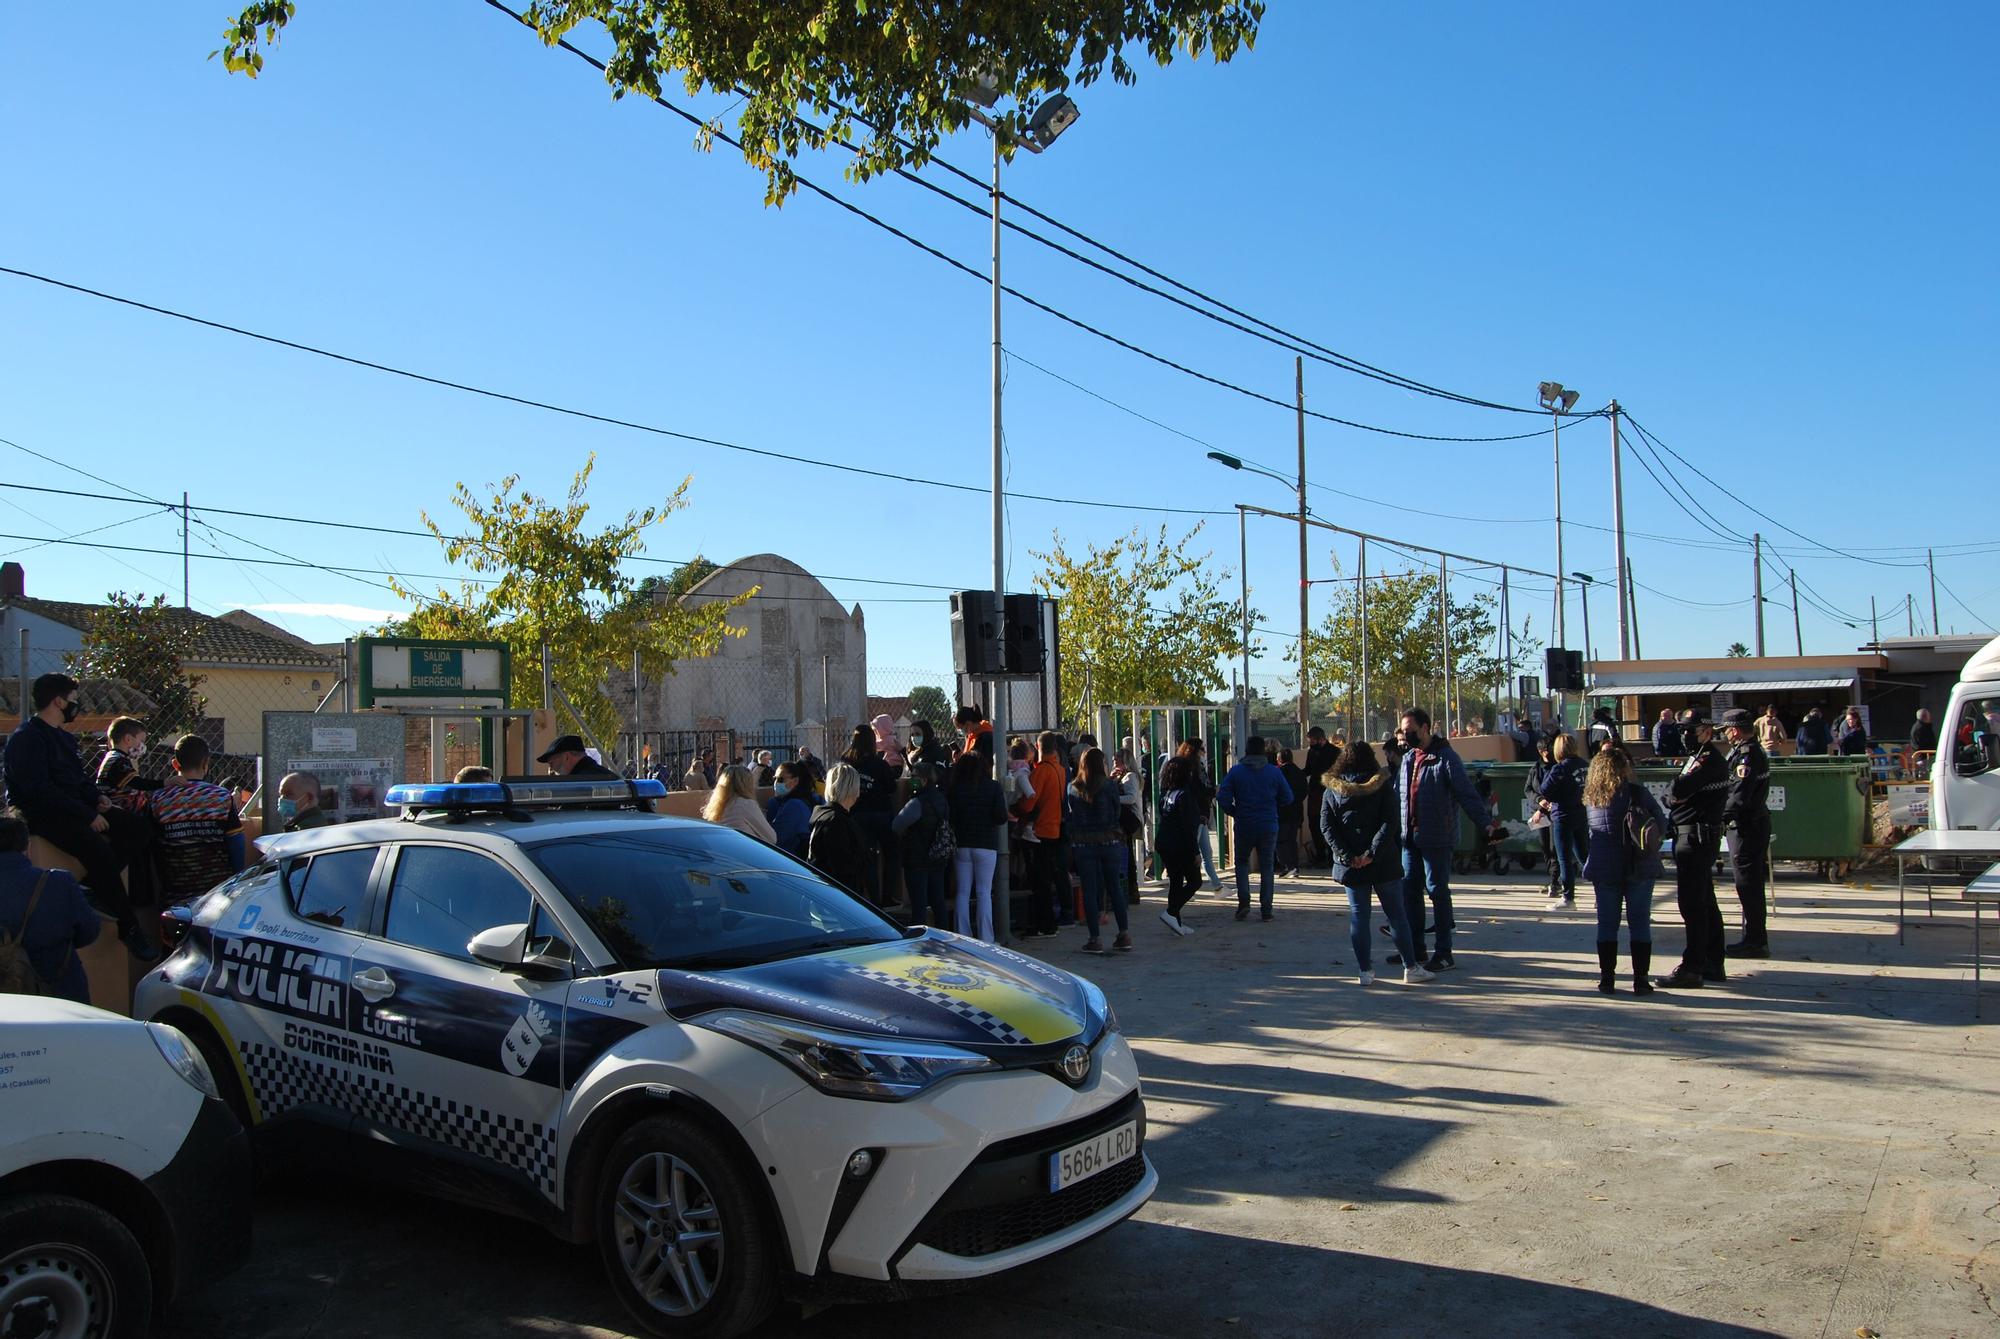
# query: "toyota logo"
1076, 1064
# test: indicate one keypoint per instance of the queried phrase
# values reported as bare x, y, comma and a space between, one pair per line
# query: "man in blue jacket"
1431, 787
44, 910
1252, 794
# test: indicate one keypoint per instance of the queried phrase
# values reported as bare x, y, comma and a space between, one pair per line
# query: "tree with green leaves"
1737, 651
551, 581
888, 78
930, 703
1405, 642
670, 588
1144, 621
146, 644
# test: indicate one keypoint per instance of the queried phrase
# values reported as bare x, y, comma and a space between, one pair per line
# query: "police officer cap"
1737, 717
563, 744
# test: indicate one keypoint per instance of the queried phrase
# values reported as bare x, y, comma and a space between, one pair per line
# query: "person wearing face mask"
791, 808
1695, 804
298, 801
1431, 787
118, 771
46, 782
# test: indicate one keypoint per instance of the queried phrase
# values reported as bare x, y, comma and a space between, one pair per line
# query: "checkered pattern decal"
993, 1025
282, 1081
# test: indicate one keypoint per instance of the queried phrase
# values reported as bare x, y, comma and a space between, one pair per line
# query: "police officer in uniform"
1694, 805
1748, 811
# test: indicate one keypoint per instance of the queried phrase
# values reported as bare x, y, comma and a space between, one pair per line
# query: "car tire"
76, 1260
667, 1182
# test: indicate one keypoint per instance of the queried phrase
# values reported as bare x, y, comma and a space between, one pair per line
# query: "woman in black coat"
1359, 823
835, 844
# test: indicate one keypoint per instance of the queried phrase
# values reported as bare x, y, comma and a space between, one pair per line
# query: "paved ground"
1811, 1151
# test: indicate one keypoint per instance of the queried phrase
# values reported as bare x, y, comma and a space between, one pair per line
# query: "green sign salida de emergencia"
437, 667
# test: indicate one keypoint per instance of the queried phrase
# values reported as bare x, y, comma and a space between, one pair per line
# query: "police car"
659, 1034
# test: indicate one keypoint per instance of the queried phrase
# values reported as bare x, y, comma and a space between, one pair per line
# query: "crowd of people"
142, 843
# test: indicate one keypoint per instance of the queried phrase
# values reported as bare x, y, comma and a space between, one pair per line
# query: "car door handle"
374, 984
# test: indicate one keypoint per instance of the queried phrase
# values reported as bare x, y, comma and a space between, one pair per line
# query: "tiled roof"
218, 641
97, 697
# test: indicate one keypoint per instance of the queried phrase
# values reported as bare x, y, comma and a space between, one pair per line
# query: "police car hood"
939, 987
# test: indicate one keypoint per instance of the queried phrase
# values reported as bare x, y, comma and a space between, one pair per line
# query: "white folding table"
1983, 891
1940, 841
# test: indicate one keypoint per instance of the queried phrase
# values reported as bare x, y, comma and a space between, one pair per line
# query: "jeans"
1101, 867
973, 868
1207, 849
1564, 840
1428, 871
1183, 876
1635, 896
1265, 844
1360, 933
929, 890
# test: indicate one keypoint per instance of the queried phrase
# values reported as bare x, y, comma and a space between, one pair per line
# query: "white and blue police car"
662, 1035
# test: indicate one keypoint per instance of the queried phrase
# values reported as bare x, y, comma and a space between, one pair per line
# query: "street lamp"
1558, 401
1305, 700
1054, 116
1588, 581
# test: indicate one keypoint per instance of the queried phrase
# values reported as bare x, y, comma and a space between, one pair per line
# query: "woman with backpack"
1626, 828
1097, 846
1183, 807
923, 826
1359, 824
978, 806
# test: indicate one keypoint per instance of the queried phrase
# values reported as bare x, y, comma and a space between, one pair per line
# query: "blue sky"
1765, 229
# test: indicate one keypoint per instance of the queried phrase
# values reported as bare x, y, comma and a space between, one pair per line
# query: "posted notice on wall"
350, 789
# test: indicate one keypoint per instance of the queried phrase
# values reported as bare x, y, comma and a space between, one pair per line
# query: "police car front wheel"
682, 1235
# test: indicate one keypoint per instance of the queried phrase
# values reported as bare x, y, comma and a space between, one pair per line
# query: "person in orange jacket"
1048, 856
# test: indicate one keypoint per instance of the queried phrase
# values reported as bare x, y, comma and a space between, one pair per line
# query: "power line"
1130, 347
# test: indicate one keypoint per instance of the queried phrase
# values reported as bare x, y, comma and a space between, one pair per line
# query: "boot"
1607, 966
1642, 963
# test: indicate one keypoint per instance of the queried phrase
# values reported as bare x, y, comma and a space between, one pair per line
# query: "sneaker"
1366, 978
1440, 962
1171, 921
1414, 975
1123, 943
1093, 946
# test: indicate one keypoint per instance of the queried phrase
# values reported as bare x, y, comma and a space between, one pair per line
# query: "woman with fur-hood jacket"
1359, 823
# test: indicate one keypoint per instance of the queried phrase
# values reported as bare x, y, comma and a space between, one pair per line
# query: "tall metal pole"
1444, 638
998, 712
1562, 631
1305, 696
1367, 711
187, 601
1910, 614
1757, 561
1874, 628
1798, 638
1507, 643
1618, 526
1638, 651
1242, 726
1930, 561
1587, 652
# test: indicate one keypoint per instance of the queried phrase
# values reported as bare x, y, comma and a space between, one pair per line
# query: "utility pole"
1874, 628
998, 712
1242, 725
1930, 561
1507, 643
1444, 634
1361, 599
1910, 614
1618, 528
1638, 652
1757, 558
1305, 698
1799, 638
1556, 433
187, 601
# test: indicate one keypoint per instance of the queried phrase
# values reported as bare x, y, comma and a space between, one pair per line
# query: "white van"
124, 1178
1965, 780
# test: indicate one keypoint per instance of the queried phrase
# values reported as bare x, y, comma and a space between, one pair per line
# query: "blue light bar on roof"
513, 794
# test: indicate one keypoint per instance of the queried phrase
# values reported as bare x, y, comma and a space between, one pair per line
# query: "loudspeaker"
1564, 670
976, 642
1024, 652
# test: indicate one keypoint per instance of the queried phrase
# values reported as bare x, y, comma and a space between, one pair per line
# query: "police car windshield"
707, 898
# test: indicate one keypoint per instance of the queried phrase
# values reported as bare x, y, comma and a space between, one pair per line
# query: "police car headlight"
1099, 1005
879, 1069
185, 1059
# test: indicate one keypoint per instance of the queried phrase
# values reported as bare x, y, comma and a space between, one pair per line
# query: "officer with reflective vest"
1694, 805
1747, 810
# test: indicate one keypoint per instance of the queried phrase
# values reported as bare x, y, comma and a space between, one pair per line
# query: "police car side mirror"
503, 946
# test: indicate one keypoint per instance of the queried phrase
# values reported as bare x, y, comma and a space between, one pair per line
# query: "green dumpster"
1819, 806
1506, 787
